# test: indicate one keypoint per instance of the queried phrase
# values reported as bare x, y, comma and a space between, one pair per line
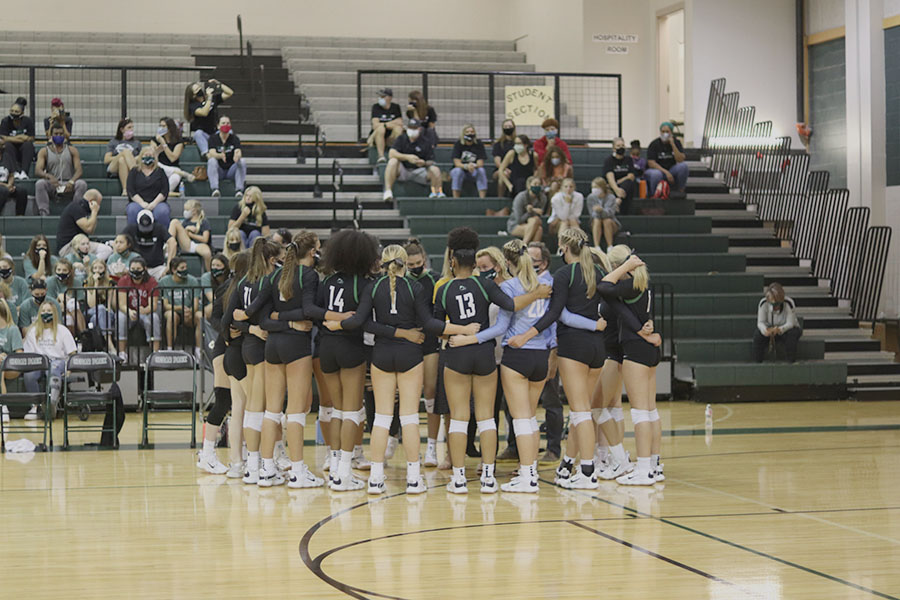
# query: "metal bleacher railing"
837, 240
663, 315
587, 105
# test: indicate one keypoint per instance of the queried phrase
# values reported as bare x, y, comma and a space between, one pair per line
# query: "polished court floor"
788, 500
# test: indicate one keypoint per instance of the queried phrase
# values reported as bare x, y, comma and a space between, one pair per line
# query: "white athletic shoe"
416, 487
615, 470
580, 481
658, 474
359, 460
211, 464
31, 415
348, 484
305, 479
5, 414
489, 485
251, 477
235, 470
388, 195
430, 457
457, 487
635, 478
391, 448
521, 485
375, 487
563, 473
270, 479
282, 462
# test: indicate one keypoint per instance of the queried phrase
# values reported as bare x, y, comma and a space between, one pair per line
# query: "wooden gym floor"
788, 500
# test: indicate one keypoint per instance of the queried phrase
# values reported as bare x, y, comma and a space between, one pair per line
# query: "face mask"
561, 251
14, 116
234, 246
509, 130
39, 248
412, 133
382, 102
128, 134
469, 137
416, 271
279, 264
62, 276
39, 299
519, 148
162, 131
47, 317
226, 129
537, 269
217, 273
5, 273
596, 191
147, 160
58, 139
412, 103
491, 274
551, 134
555, 161
182, 273
316, 258
536, 189
620, 151
187, 214
664, 137
97, 275
136, 275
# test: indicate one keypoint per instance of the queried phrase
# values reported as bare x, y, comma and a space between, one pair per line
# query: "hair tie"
464, 252
523, 250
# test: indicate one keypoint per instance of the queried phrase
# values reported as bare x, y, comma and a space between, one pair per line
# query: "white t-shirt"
563, 210
59, 349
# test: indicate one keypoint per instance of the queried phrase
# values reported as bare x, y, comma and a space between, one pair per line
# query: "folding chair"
169, 360
90, 363
26, 362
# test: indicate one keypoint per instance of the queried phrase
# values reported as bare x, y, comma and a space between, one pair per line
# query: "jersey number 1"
466, 305
335, 301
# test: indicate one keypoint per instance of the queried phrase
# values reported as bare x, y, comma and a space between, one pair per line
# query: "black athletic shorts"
338, 352
471, 360
396, 357
586, 347
218, 348
283, 348
431, 345
441, 406
253, 349
531, 364
234, 360
641, 352
316, 338
613, 346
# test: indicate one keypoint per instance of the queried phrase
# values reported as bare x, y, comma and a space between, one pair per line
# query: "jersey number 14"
335, 300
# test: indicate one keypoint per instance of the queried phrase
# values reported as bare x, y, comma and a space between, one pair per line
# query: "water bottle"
181, 189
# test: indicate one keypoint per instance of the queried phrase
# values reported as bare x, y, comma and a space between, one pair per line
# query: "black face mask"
279, 264
234, 246
39, 299
217, 273
182, 273
136, 275
509, 130
62, 276
620, 152
417, 271
147, 160
47, 317
5, 273
469, 138
491, 274
39, 248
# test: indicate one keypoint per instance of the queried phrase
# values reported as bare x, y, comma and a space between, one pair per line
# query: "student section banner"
529, 104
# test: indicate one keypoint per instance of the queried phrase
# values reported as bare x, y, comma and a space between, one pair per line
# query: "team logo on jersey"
340, 281
463, 288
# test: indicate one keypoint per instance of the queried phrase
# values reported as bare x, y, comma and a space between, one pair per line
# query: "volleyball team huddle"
289, 314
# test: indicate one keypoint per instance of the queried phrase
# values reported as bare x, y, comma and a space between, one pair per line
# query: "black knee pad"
221, 407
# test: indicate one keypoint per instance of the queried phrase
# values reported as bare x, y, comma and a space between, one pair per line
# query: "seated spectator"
80, 256
138, 304
97, 300
387, 122
530, 206
553, 169
18, 287
418, 108
566, 205
468, 163
10, 342
8, 188
283, 236
501, 147
29, 307
123, 252
148, 189
518, 166
665, 160
640, 163
58, 172
603, 206
60, 289
121, 153
37, 261
49, 338
551, 139
776, 324
621, 176
17, 135
58, 114
6, 294
412, 159
152, 241
211, 280
81, 218
168, 146
201, 101
234, 243
180, 292
249, 217
225, 159
193, 233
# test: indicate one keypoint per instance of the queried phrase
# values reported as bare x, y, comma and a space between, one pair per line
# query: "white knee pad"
601, 415
412, 419
253, 420
640, 416
577, 417
486, 425
337, 415
617, 413
383, 421
273, 416
654, 415
325, 414
356, 416
458, 427
535, 428
522, 427
299, 418
429, 405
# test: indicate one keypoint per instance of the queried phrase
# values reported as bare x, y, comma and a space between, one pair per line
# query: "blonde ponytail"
516, 254
617, 257
393, 259
577, 242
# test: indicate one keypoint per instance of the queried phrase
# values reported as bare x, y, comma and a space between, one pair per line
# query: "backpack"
662, 190
106, 439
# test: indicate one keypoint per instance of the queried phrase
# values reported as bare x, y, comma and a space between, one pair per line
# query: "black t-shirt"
249, 225
210, 122
148, 187
68, 123
231, 143
420, 148
10, 128
661, 152
620, 167
501, 148
151, 246
68, 227
466, 301
386, 115
430, 117
469, 153
164, 160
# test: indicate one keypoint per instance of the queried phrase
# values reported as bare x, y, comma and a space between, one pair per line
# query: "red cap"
56, 102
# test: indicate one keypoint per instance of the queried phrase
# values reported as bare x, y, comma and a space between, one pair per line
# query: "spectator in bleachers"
98, 300
518, 166
193, 233
468, 162
665, 160
8, 188
226, 159
152, 242
621, 176
123, 252
776, 324
567, 206
80, 255
58, 114
148, 189
501, 147
553, 169
59, 288
28, 307
249, 217
81, 218
530, 207
603, 206
201, 100
283, 236
17, 135
387, 122
18, 287
181, 303
211, 280
418, 108
121, 153
58, 172
47, 337
551, 139
639, 162
38, 262
412, 159
10, 342
138, 304
234, 243
168, 146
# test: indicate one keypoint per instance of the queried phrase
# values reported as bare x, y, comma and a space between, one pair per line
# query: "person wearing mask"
387, 122
152, 242
38, 262
30, 306
468, 162
666, 160
80, 255
603, 206
249, 217
411, 158
201, 101
417, 108
501, 147
148, 189
168, 147
551, 139
98, 299
58, 115
121, 153
620, 174
776, 324
18, 287
10, 342
553, 169
233, 243
180, 292
567, 206
49, 338
81, 218
17, 135
123, 252
530, 206
8, 188
225, 159
282, 236
138, 304
639, 162
211, 280
517, 166
60, 289
193, 233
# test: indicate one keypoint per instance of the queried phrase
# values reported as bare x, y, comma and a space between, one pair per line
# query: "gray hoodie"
767, 316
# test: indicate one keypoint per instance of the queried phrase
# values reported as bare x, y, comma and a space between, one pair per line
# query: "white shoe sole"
350, 486
610, 474
274, 480
250, 478
375, 490
630, 480
519, 489
452, 489
420, 488
219, 469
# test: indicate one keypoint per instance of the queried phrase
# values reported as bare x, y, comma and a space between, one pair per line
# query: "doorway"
670, 66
